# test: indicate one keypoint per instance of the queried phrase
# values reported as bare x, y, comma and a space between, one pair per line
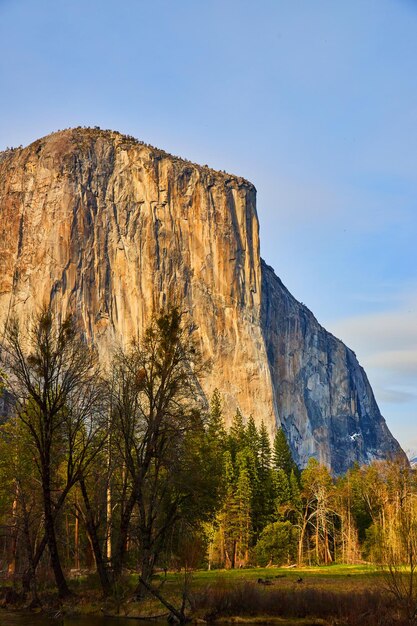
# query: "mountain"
110, 228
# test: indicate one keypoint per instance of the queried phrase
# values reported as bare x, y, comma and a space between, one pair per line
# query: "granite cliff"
110, 228
325, 402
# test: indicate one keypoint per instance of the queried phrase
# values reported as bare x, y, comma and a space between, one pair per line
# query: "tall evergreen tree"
218, 463
265, 453
265, 495
295, 492
215, 430
215, 422
243, 508
228, 518
237, 435
282, 492
252, 437
282, 457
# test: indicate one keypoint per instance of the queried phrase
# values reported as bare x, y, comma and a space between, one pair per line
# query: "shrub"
277, 544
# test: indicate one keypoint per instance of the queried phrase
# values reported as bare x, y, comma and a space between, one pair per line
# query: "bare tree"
398, 537
157, 427
58, 397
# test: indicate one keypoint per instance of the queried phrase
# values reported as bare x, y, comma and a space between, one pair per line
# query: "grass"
332, 573
365, 608
337, 594
333, 595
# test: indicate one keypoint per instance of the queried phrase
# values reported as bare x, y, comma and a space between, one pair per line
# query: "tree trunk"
31, 577
108, 507
61, 583
222, 546
301, 539
234, 553
11, 569
77, 542
43, 543
147, 564
95, 543
27, 575
178, 613
120, 550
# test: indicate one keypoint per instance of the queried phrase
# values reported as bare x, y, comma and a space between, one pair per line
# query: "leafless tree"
58, 398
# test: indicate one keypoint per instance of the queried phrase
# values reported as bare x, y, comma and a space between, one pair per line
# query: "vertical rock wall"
111, 229
325, 401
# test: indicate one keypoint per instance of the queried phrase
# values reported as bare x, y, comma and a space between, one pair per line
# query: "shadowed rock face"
325, 402
111, 229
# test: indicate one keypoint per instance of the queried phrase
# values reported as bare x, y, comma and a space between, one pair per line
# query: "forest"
124, 469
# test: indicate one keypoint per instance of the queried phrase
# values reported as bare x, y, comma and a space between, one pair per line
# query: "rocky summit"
111, 229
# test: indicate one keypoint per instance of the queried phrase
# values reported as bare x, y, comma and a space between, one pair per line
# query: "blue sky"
314, 102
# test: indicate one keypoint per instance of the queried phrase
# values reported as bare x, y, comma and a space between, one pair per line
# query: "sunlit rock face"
111, 229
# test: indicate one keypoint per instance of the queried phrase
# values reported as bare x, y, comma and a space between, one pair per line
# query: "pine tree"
252, 437
237, 435
265, 453
215, 430
282, 457
243, 508
282, 492
295, 490
229, 524
264, 504
215, 422
220, 465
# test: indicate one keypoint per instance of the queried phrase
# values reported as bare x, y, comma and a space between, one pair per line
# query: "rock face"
110, 228
107, 227
325, 402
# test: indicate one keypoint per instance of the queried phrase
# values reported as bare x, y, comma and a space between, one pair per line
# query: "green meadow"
327, 595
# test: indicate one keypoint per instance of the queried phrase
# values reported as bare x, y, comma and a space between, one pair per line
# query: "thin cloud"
382, 332
403, 361
386, 345
395, 396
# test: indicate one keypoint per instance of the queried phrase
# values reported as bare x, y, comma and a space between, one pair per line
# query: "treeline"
274, 514
127, 470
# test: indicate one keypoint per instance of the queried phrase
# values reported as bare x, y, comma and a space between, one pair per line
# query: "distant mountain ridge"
111, 228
